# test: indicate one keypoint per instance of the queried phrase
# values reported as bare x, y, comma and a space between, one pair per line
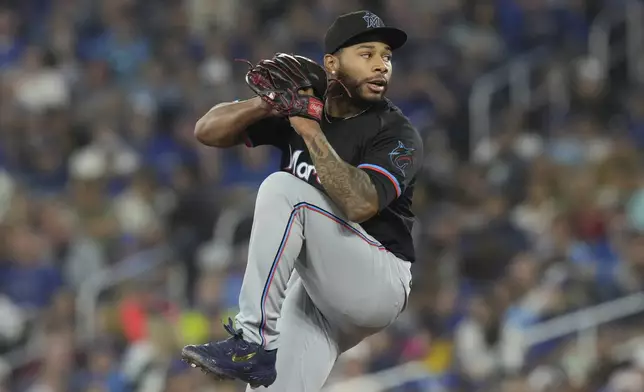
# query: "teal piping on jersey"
385, 173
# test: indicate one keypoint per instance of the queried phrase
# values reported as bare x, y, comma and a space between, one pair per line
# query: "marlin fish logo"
372, 20
401, 157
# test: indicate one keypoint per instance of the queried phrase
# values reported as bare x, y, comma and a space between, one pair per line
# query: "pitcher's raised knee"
279, 179
277, 187
283, 186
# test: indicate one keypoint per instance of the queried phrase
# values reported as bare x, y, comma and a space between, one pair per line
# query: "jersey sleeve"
272, 131
392, 160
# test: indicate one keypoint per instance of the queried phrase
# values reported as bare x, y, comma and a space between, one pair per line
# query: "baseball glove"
280, 82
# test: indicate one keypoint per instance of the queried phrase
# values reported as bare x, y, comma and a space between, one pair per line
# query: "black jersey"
380, 141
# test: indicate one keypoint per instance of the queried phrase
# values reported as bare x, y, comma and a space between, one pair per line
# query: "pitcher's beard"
351, 92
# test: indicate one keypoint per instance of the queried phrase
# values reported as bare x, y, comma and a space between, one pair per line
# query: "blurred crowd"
122, 239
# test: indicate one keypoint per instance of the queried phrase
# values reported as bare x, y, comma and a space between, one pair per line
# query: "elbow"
201, 132
207, 134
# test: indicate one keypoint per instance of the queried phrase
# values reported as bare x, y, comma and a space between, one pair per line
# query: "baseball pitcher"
331, 247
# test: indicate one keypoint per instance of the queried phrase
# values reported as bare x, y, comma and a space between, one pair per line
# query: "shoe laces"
230, 328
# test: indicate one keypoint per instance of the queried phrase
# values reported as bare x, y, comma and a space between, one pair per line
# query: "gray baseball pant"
347, 286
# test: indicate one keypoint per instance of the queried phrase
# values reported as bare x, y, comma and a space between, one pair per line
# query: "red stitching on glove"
259, 80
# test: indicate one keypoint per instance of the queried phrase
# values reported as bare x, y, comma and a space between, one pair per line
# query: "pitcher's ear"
331, 64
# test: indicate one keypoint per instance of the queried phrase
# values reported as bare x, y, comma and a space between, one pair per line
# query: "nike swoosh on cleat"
243, 358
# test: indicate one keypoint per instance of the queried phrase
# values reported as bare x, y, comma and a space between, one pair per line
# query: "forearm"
224, 124
349, 187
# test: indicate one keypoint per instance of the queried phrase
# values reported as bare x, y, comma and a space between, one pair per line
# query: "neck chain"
326, 115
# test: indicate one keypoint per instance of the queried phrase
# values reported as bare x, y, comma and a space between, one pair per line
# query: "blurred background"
122, 239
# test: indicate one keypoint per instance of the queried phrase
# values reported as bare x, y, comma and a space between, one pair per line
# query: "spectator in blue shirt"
122, 47
28, 279
11, 46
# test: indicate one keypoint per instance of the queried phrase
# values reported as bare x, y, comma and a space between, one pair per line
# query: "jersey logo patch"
401, 157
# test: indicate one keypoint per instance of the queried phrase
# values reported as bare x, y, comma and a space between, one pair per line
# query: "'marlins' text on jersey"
382, 142
302, 170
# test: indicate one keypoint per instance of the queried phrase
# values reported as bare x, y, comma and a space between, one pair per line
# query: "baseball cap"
361, 26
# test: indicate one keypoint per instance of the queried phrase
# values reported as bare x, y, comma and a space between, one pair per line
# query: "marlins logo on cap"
373, 20
351, 28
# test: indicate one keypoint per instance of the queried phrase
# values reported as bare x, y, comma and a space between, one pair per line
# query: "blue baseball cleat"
234, 358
